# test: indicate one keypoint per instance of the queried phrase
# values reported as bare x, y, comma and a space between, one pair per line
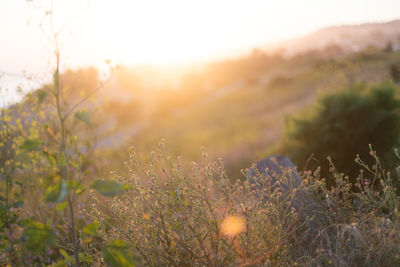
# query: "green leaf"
59, 264
109, 188
37, 236
56, 193
51, 159
65, 254
41, 94
85, 258
74, 164
91, 229
61, 206
31, 144
118, 253
83, 116
75, 185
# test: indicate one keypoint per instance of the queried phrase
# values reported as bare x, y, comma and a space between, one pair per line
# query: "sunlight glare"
162, 32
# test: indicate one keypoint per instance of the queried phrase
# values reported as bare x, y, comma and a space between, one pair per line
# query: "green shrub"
342, 125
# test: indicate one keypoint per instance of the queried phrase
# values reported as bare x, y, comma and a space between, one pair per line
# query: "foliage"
19, 150
174, 216
38, 236
59, 207
162, 213
118, 253
109, 188
83, 116
342, 125
395, 73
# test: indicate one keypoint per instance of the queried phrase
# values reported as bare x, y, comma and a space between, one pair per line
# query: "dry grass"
181, 217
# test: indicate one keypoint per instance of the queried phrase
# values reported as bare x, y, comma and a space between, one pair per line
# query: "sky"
161, 32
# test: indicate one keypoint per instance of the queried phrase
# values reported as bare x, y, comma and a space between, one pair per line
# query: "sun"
185, 31
159, 32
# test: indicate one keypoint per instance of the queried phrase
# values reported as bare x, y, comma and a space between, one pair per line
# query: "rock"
280, 173
275, 167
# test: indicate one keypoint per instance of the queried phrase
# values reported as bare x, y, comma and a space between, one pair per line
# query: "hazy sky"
164, 31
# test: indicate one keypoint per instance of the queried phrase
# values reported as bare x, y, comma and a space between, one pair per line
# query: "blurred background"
222, 75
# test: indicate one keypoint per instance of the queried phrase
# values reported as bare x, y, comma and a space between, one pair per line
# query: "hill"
235, 108
344, 39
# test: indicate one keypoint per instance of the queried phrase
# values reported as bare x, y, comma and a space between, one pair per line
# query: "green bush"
342, 125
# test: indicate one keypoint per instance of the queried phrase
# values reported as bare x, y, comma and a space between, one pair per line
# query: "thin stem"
63, 154
101, 86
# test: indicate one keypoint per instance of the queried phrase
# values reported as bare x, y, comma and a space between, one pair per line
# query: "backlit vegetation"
70, 195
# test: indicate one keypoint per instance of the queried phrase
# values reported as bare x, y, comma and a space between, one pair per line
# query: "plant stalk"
64, 165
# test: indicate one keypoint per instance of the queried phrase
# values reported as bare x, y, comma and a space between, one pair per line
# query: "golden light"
136, 32
133, 32
163, 32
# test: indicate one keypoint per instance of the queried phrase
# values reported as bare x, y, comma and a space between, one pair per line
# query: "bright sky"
165, 31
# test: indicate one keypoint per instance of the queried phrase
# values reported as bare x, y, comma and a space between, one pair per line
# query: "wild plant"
198, 216
53, 230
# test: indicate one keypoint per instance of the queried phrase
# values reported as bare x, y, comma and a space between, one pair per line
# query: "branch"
101, 86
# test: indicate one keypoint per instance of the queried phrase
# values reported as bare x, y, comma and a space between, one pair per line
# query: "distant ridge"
348, 38
392, 23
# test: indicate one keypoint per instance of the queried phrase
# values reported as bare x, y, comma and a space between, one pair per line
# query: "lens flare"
233, 225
